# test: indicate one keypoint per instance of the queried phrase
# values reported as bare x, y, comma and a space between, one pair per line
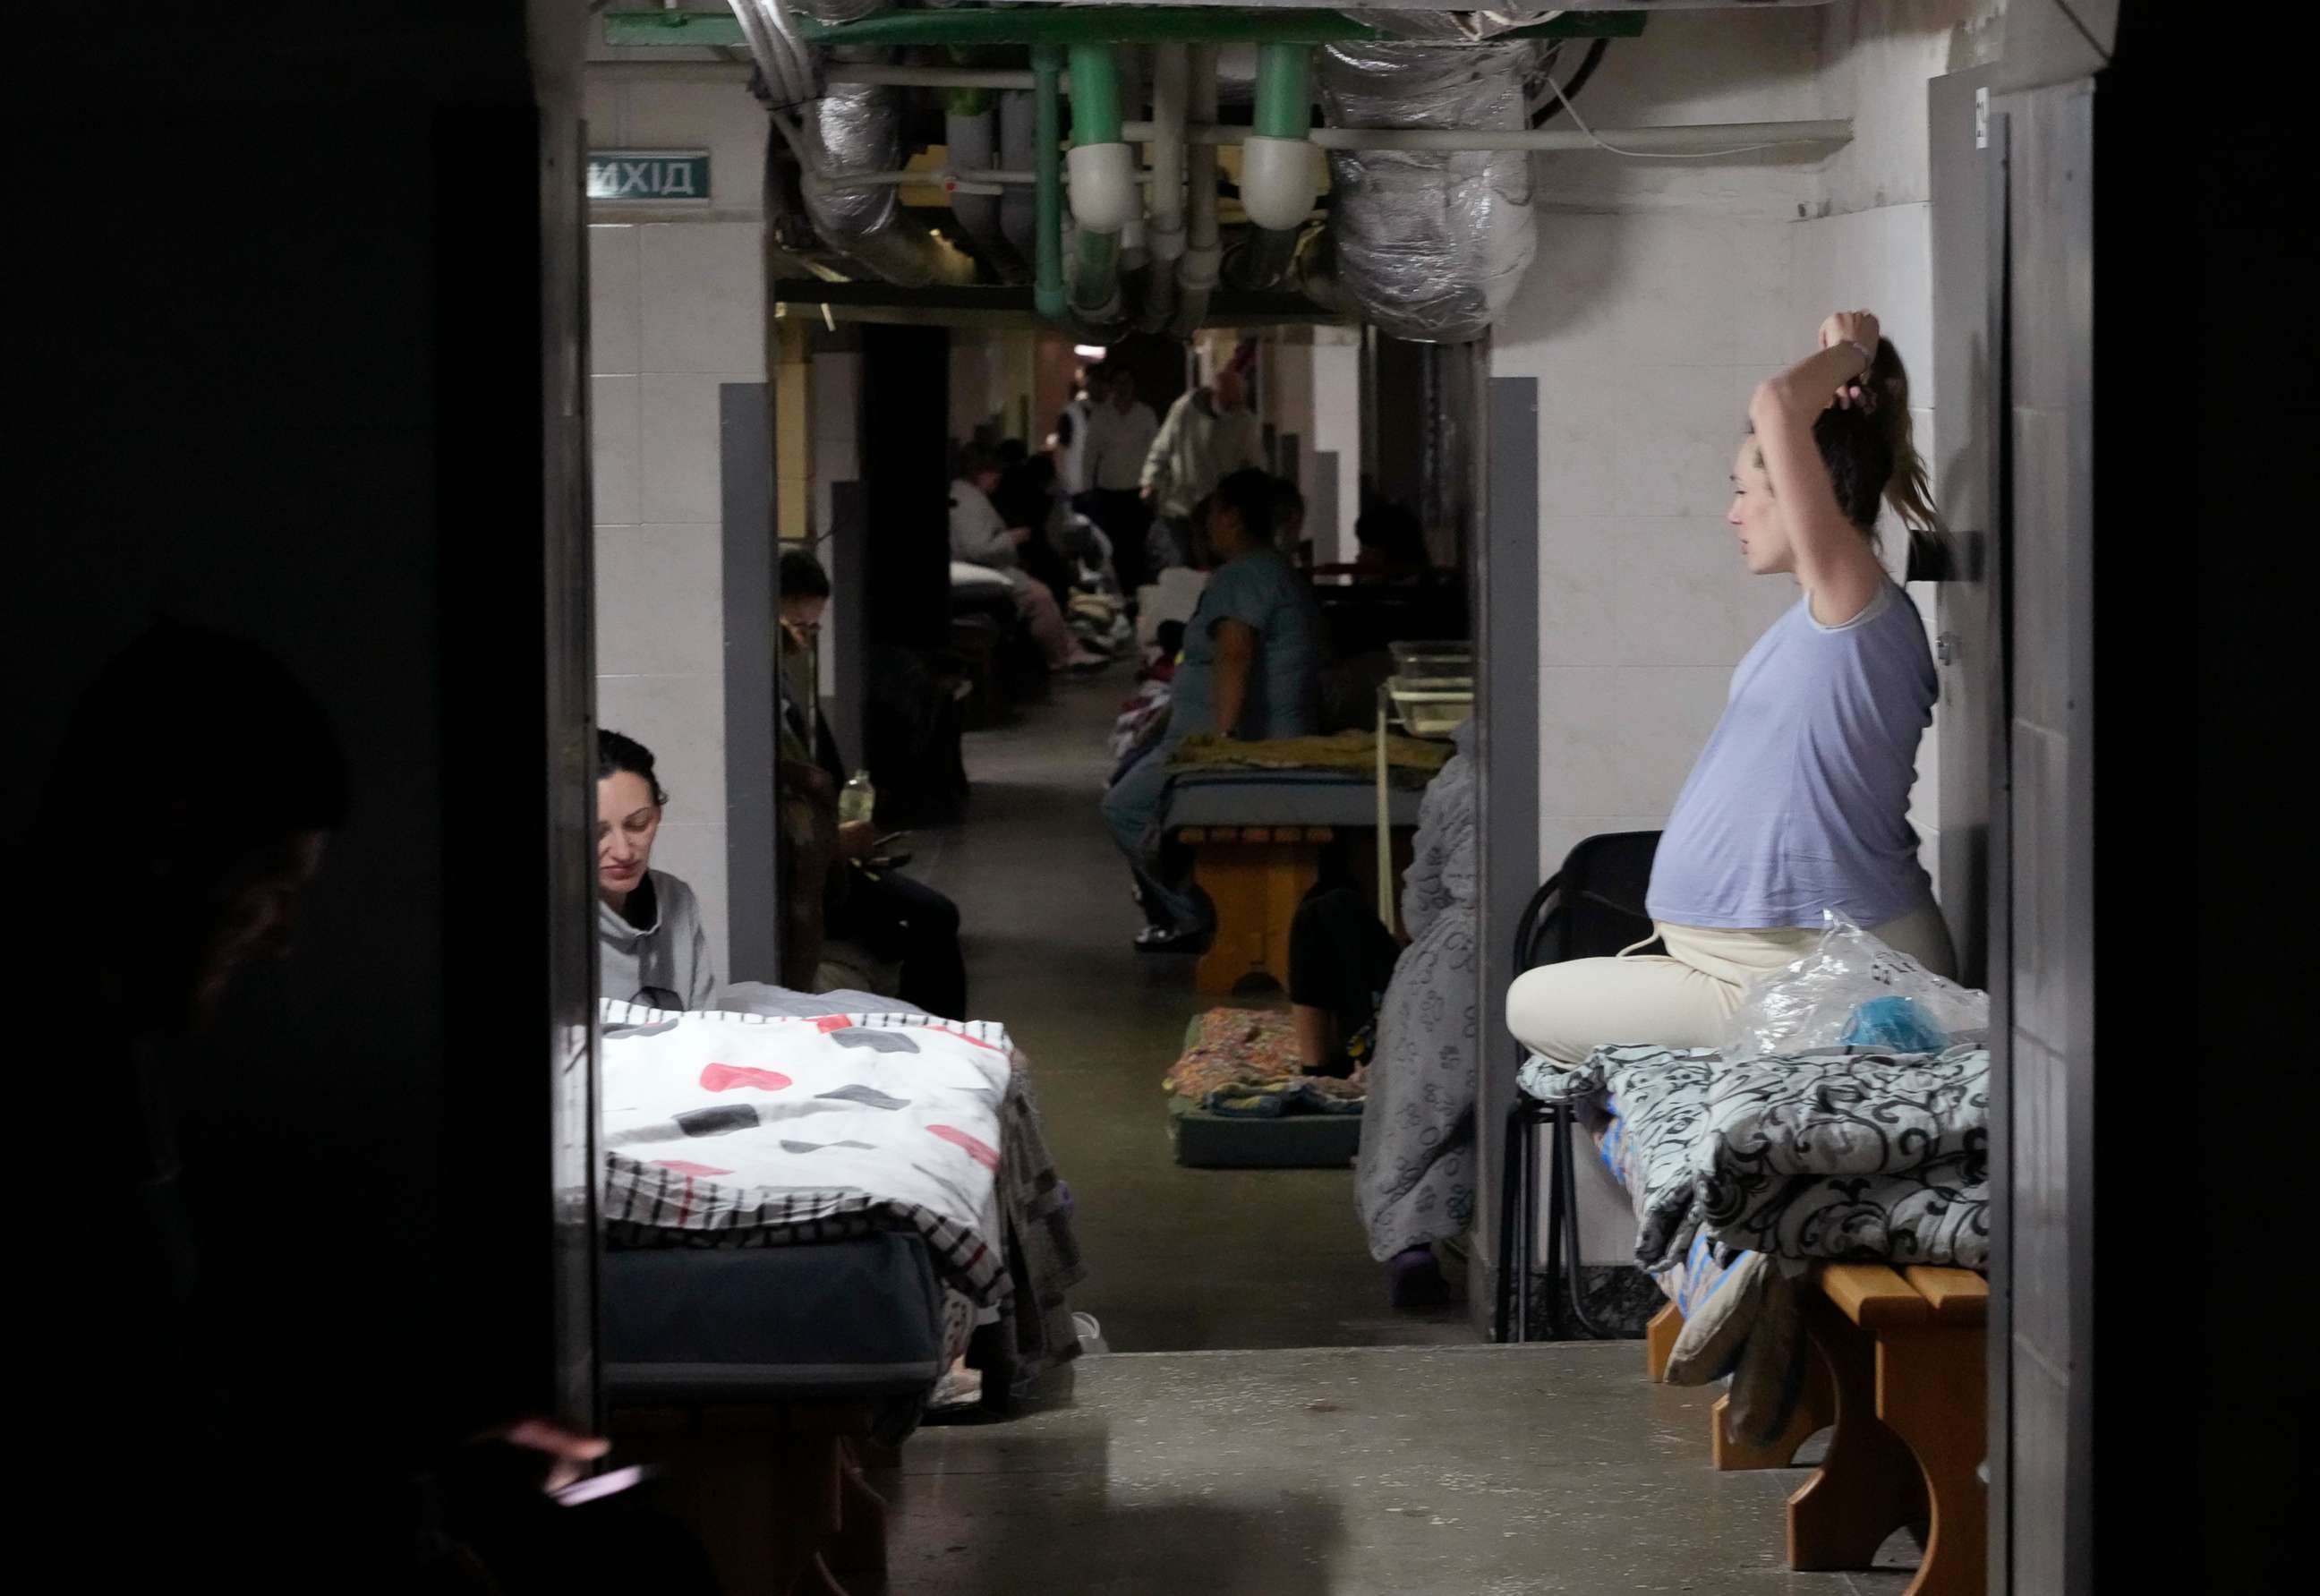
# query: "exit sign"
655, 176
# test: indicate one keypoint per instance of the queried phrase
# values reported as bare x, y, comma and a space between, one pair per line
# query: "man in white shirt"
1209, 433
1069, 440
979, 536
1121, 428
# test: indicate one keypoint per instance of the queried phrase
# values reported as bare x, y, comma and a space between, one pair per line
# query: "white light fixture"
1089, 351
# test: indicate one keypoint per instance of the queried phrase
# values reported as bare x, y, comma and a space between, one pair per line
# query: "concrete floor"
1178, 1259
1473, 1471
1265, 1424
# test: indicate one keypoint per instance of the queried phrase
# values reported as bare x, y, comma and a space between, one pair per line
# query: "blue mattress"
856, 1317
1284, 798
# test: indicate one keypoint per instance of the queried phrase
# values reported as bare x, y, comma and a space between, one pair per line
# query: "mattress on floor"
1206, 1140
859, 1318
1284, 798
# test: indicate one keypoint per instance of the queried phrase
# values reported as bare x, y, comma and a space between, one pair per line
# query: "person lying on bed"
1799, 803
650, 945
1251, 669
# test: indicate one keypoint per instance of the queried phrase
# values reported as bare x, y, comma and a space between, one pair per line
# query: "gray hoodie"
664, 960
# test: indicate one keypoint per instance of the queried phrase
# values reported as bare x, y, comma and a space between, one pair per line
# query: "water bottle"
858, 800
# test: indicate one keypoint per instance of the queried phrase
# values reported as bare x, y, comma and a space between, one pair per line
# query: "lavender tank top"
1800, 801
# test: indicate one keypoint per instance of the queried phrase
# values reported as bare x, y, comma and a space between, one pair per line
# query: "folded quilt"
1847, 1113
1244, 1062
1825, 1156
1354, 752
723, 1130
1938, 1214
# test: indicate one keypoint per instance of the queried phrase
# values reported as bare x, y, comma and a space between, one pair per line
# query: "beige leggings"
1682, 998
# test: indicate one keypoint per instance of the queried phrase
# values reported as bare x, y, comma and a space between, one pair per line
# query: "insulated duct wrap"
1448, 27
858, 128
847, 129
1431, 245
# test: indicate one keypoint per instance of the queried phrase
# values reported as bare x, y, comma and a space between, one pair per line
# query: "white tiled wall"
676, 310
1646, 332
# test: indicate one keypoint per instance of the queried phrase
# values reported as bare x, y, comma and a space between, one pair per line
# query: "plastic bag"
1854, 991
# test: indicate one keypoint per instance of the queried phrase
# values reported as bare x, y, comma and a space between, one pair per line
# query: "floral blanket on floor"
1244, 1062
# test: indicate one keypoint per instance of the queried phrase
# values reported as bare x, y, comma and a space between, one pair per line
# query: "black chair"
1592, 908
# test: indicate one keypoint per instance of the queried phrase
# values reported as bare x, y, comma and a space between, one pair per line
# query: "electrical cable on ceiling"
1566, 92
1599, 143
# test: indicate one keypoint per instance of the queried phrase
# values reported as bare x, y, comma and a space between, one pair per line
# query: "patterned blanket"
726, 1129
1244, 1062
1843, 1156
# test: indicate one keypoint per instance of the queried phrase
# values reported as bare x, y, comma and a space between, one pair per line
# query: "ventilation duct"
851, 130
1430, 245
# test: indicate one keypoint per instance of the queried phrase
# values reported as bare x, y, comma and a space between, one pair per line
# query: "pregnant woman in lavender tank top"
1800, 802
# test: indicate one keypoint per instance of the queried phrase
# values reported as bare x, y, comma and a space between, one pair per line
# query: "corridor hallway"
1264, 1424
1178, 1259
1401, 1470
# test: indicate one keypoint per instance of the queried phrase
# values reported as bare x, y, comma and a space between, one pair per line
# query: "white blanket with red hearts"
745, 1129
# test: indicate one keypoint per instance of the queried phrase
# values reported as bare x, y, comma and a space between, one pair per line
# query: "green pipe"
1095, 94
1047, 90
1095, 120
1095, 272
1072, 24
1285, 91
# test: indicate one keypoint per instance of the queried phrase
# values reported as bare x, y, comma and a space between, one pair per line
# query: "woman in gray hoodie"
650, 947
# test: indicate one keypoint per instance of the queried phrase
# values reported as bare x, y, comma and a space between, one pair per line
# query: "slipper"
1414, 1279
1169, 940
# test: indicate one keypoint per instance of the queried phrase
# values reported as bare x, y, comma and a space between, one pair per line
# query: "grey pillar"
847, 553
1503, 569
746, 426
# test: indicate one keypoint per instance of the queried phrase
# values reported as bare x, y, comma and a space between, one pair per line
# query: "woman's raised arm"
1835, 563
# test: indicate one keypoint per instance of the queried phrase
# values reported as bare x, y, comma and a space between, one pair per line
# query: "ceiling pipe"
1102, 191
1196, 273
1019, 151
1172, 66
1047, 274
1692, 138
1078, 24
970, 133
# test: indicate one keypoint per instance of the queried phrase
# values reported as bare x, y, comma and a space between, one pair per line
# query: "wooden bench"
1255, 876
775, 1491
1905, 1356
1896, 1365
1257, 838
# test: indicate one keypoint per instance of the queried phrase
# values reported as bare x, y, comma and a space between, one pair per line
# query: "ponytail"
1869, 449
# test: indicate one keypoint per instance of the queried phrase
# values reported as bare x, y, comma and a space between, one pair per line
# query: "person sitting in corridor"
650, 945
979, 536
1799, 803
1251, 669
870, 903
